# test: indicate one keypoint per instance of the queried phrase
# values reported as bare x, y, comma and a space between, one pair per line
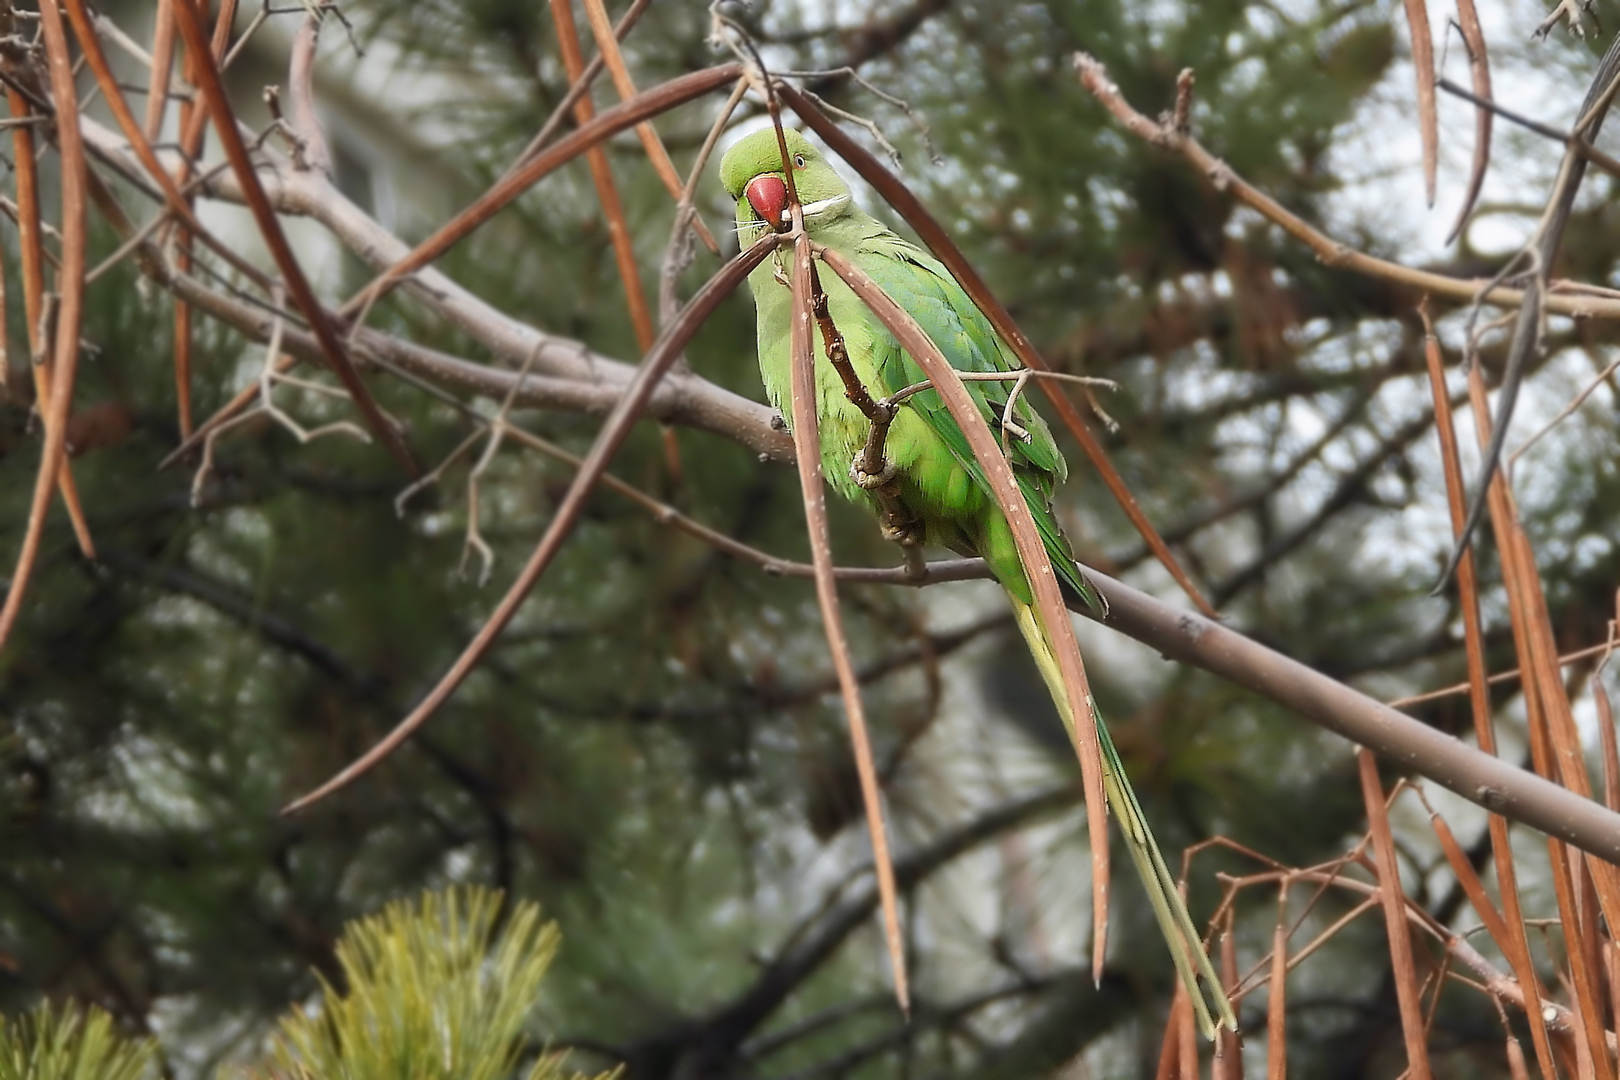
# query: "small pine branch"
433, 994
67, 1044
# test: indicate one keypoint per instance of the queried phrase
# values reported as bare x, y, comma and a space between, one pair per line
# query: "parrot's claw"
908, 532
868, 480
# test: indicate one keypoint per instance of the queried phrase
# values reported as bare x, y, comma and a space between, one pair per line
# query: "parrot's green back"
940, 482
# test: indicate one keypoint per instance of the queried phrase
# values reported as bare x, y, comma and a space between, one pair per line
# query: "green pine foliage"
439, 989
69, 1043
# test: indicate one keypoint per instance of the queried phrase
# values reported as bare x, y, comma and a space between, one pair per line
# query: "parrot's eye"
798, 161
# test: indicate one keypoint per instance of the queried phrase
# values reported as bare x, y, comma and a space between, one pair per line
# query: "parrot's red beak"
767, 194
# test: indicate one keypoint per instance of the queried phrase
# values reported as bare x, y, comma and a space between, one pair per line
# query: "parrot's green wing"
925, 289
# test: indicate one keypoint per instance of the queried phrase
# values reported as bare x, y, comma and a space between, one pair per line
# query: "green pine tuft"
67, 1044
434, 993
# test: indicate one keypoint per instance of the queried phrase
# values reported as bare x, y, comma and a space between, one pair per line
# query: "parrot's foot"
870, 480
900, 527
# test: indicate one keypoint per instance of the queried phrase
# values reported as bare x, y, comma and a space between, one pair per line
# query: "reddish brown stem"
1515, 945
1479, 68
69, 314
1277, 1003
807, 441
32, 252
157, 83
607, 192
607, 44
213, 91
1417, 21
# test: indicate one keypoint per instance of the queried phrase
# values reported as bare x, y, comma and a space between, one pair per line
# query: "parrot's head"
752, 173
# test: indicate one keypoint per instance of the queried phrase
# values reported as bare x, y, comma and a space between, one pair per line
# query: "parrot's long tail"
1174, 921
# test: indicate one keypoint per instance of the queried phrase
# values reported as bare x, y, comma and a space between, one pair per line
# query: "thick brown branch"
565, 374
1189, 638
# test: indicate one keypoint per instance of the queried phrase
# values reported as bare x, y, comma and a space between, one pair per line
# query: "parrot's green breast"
939, 481
938, 490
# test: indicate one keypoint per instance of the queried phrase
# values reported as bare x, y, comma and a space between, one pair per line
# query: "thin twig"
1019, 376
612, 436
269, 375
1587, 150
498, 428
297, 283
607, 44
578, 89
1566, 412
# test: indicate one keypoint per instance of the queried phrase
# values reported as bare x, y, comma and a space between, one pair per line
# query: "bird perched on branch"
890, 443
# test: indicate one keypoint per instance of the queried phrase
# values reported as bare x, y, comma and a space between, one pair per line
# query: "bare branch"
612, 436
1094, 76
190, 25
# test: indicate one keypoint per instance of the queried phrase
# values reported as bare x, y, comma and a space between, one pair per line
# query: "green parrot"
933, 491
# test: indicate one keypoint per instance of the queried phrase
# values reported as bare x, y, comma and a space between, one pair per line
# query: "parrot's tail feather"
1186, 947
